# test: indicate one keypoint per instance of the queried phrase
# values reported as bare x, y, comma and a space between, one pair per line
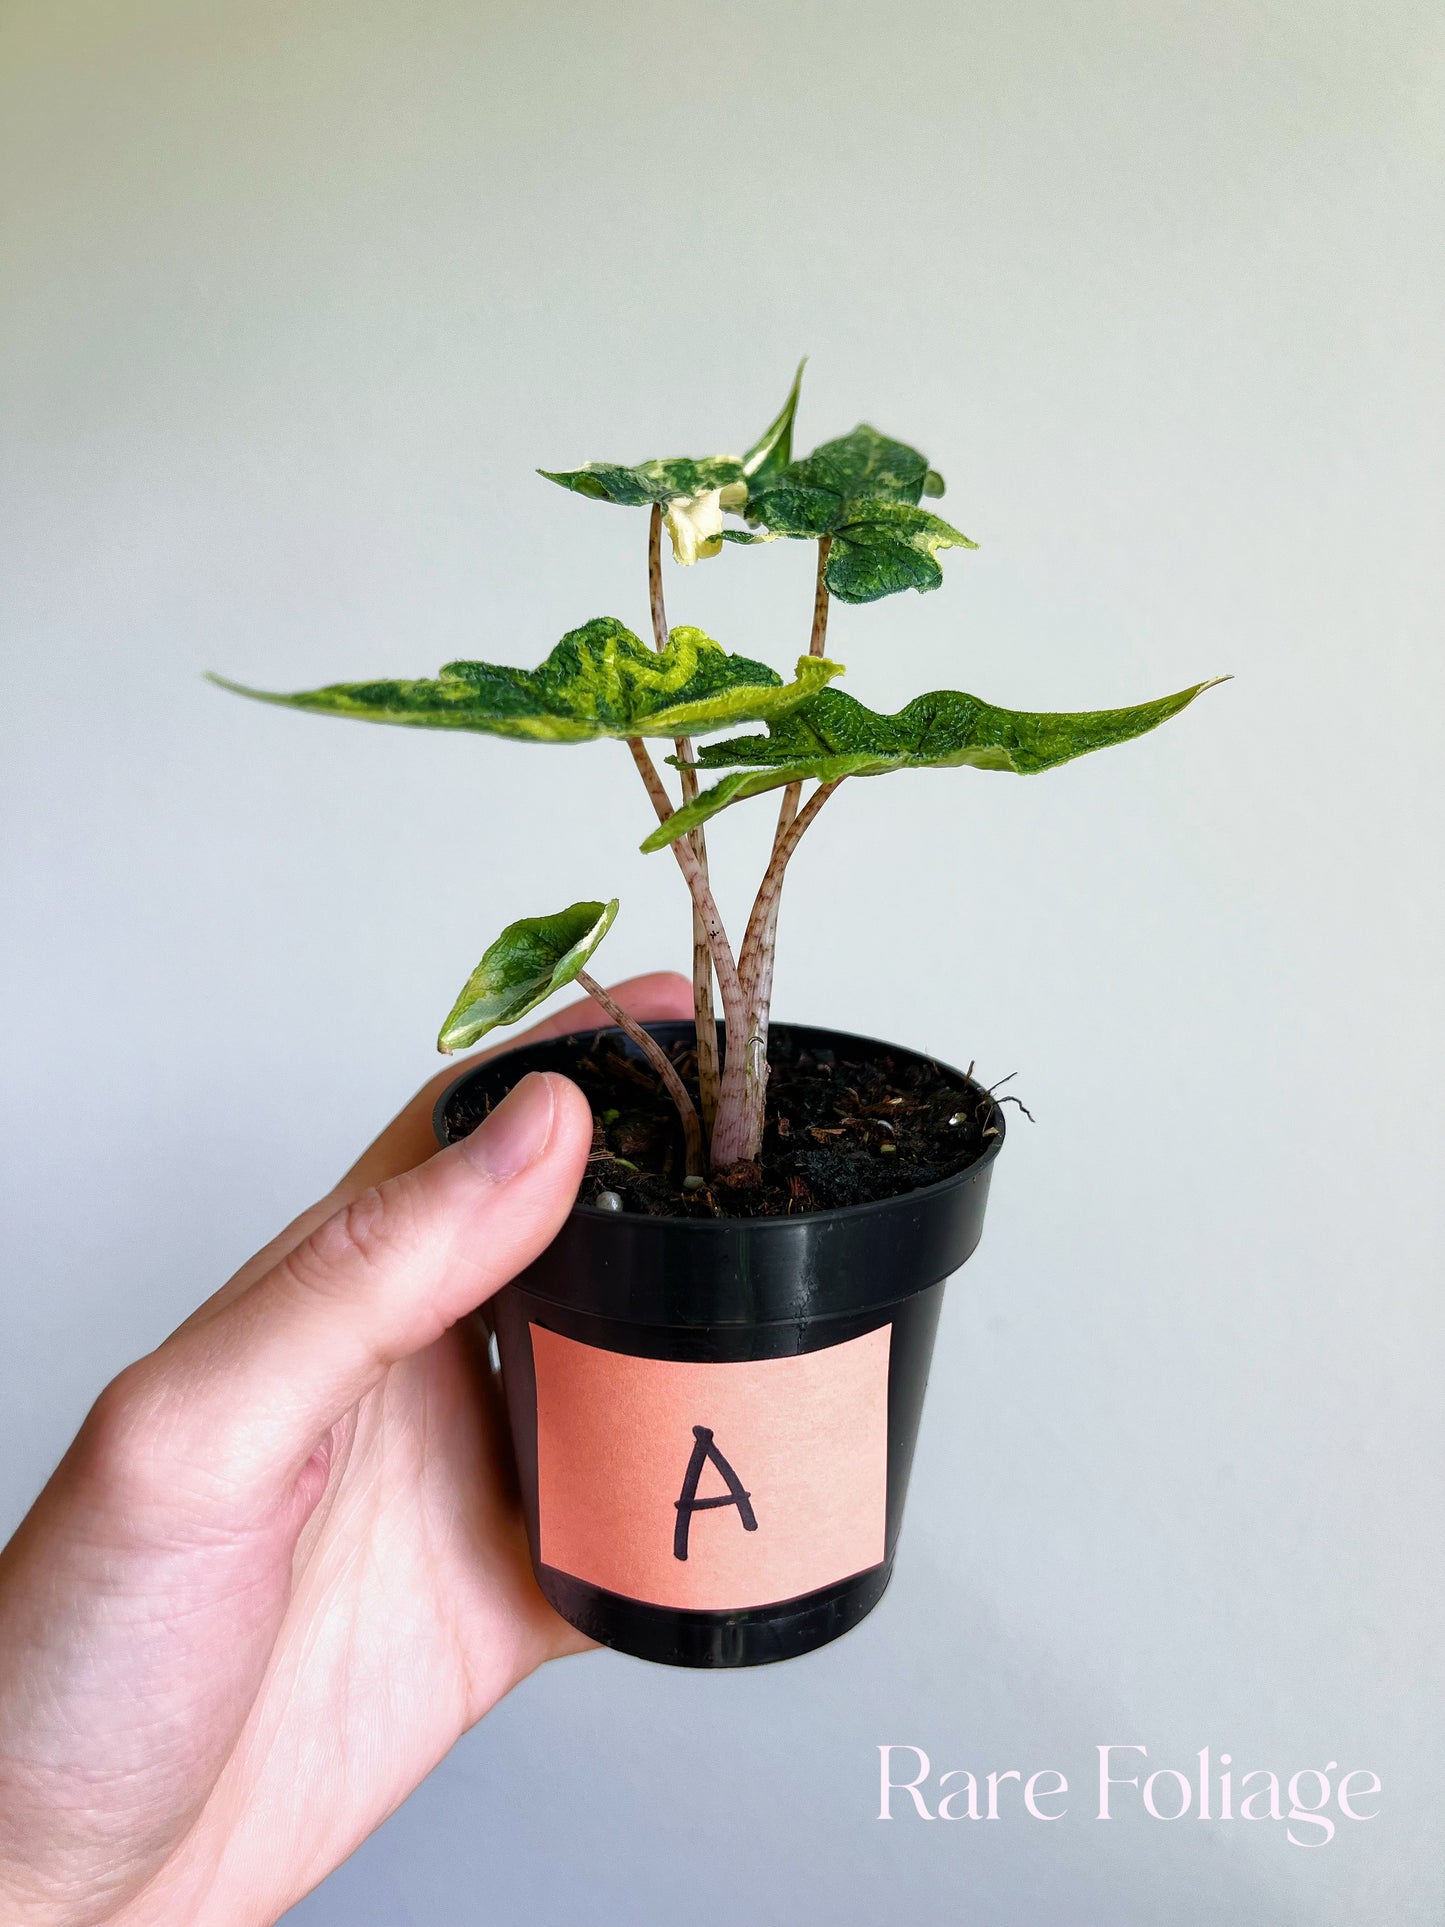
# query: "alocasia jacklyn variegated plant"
858, 500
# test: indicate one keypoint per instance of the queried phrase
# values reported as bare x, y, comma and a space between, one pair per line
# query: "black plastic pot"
714, 1419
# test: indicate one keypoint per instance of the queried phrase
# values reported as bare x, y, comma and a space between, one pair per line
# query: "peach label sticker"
712, 1486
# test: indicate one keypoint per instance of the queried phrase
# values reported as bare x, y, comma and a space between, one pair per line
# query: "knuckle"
365, 1235
150, 1451
122, 1443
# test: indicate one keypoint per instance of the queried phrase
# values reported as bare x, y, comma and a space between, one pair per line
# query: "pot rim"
851, 1213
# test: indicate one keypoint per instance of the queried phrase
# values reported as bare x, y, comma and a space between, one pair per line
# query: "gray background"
296, 298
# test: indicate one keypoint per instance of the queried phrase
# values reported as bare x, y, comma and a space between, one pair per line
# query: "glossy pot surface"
714, 1419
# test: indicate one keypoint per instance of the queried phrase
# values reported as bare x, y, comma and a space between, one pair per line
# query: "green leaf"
891, 546
773, 449
862, 490
600, 680
532, 958
833, 736
662, 481
863, 465
683, 478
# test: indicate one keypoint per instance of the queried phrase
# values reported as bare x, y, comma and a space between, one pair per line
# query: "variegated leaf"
832, 736
600, 680
693, 491
863, 492
532, 958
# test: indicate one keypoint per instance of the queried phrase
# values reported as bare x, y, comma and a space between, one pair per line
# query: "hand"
282, 1569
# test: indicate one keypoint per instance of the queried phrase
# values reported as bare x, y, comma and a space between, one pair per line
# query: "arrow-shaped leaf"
693, 490
532, 958
863, 491
832, 736
600, 680
663, 480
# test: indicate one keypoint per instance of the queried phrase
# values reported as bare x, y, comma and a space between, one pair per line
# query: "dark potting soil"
840, 1130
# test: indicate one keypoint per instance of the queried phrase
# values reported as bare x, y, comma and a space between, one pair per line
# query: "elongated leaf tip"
830, 736
1186, 696
244, 689
774, 447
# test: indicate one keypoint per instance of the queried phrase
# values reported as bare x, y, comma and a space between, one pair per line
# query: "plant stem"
654, 578
705, 1021
662, 1064
737, 1129
760, 940
735, 1010
816, 641
788, 809
656, 788
820, 598
739, 1133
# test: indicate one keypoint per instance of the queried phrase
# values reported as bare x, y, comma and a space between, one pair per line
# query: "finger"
409, 1139
251, 1390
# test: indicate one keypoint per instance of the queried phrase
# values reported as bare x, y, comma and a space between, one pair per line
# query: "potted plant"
714, 1374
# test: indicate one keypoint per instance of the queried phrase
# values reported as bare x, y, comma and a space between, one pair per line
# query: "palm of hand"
413, 1611
215, 1687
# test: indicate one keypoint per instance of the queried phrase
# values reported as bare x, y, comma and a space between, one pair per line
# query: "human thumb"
249, 1390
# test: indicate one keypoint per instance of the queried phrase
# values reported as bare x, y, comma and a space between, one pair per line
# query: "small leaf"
663, 481
694, 492
532, 958
796, 507
863, 490
600, 680
863, 465
833, 736
890, 546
